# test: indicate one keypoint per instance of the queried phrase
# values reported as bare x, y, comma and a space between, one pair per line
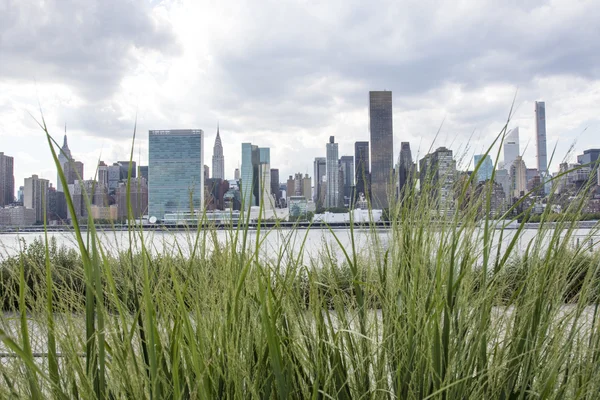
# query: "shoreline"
252, 226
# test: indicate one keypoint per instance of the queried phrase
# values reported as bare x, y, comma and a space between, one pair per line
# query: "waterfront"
273, 241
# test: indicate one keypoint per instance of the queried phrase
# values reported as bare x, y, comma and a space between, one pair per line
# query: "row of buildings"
176, 183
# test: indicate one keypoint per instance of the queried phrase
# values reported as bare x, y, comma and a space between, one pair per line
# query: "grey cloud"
411, 50
85, 44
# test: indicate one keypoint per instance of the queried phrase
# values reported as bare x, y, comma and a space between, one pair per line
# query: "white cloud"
289, 75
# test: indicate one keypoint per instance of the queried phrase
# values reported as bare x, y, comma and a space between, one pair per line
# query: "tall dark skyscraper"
361, 168
7, 180
275, 185
540, 130
382, 147
405, 167
347, 166
218, 160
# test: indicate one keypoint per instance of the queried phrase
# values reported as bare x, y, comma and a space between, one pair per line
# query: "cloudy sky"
289, 74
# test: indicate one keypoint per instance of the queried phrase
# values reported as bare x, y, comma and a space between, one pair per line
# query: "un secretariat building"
175, 171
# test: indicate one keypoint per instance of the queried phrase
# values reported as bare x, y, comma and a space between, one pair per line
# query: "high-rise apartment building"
438, 175
382, 147
347, 167
175, 171
290, 187
64, 157
301, 186
7, 180
518, 177
332, 197
125, 165
35, 195
405, 169
531, 173
591, 157
206, 173
218, 160
362, 169
540, 130
103, 173
138, 198
511, 147
56, 205
87, 196
320, 167
502, 178
486, 168
265, 178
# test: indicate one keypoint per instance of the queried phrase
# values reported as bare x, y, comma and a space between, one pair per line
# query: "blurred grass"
447, 309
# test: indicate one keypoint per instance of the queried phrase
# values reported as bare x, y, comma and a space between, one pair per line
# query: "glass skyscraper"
382, 147
486, 168
250, 159
175, 171
256, 176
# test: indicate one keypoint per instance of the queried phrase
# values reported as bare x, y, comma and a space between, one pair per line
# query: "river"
273, 242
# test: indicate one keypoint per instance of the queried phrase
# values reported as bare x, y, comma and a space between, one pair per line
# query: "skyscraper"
347, 166
34, 195
103, 173
405, 168
206, 173
7, 180
437, 175
332, 198
590, 157
361, 169
64, 156
382, 147
275, 192
236, 174
265, 178
143, 172
511, 147
320, 166
256, 176
518, 177
125, 169
218, 160
540, 130
250, 159
485, 169
175, 171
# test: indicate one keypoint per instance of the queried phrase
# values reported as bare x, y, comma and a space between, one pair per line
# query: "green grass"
448, 309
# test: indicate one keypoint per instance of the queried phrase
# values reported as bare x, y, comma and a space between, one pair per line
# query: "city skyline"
291, 82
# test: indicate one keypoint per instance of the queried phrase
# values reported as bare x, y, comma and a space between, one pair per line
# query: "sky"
289, 74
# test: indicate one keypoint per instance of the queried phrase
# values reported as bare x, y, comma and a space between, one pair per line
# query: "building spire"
218, 162
65, 138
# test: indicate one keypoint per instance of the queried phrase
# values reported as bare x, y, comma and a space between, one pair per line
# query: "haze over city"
289, 75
